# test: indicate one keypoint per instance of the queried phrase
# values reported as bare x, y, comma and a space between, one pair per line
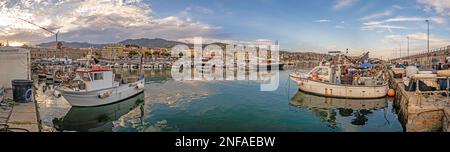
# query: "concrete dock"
421, 113
19, 115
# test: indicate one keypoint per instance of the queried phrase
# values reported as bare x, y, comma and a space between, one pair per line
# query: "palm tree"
180, 54
132, 53
148, 54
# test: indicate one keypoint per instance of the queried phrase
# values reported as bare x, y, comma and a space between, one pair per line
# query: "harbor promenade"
18, 117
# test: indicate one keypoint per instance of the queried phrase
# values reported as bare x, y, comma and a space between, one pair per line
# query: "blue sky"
379, 26
316, 24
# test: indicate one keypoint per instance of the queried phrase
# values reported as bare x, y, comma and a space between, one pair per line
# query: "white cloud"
438, 20
382, 28
197, 10
377, 15
339, 27
417, 40
440, 6
387, 12
100, 21
397, 7
322, 21
340, 4
228, 41
424, 37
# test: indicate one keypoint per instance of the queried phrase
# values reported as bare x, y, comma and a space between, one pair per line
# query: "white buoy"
57, 94
140, 86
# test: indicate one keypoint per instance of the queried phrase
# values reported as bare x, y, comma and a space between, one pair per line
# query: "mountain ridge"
143, 42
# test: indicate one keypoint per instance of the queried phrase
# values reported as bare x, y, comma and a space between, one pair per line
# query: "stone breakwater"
421, 113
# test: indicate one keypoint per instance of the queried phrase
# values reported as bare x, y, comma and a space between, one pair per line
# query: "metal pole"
428, 42
56, 45
395, 53
408, 44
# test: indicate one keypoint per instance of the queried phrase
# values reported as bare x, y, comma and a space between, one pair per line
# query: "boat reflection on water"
329, 109
96, 119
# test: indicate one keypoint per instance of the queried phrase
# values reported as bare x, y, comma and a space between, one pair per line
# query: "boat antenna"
58, 46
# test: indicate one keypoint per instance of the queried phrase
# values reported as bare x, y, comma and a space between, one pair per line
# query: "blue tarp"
366, 65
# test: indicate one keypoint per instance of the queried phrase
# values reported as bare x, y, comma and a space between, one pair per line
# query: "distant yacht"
270, 64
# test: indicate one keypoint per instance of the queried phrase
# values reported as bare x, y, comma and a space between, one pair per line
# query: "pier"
421, 112
18, 117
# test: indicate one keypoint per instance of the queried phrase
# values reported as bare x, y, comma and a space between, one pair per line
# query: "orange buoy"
391, 93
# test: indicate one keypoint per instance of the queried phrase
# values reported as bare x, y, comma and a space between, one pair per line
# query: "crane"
58, 45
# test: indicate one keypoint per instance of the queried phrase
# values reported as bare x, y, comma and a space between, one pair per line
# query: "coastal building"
70, 53
113, 51
133, 51
15, 63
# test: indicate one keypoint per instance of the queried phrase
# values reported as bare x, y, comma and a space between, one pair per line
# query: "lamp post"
408, 44
428, 41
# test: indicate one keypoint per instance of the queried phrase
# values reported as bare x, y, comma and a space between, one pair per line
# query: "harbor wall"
446, 121
418, 113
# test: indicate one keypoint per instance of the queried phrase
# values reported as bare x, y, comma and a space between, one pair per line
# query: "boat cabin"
324, 73
96, 78
333, 74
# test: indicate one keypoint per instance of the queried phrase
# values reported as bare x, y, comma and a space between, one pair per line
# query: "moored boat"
325, 87
270, 64
96, 86
343, 81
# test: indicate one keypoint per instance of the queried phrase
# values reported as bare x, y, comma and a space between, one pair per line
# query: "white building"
15, 63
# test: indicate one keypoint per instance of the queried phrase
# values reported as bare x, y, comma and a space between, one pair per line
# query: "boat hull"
95, 119
305, 100
91, 98
341, 91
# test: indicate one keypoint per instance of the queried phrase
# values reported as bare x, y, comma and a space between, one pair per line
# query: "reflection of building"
113, 51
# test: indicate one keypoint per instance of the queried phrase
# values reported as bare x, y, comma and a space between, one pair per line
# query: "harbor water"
197, 106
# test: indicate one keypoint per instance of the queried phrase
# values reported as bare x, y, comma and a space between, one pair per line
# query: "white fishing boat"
323, 81
117, 65
96, 86
148, 66
204, 67
125, 65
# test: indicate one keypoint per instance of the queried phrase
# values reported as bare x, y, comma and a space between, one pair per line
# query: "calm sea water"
190, 106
